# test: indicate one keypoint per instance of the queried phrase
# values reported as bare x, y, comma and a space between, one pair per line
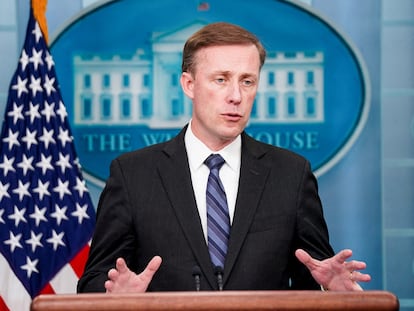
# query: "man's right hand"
123, 280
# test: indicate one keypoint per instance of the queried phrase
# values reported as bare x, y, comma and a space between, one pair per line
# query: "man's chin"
231, 133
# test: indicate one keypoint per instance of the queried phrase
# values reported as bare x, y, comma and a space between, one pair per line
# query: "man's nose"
234, 93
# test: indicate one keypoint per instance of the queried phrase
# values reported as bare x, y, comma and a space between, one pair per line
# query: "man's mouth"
232, 116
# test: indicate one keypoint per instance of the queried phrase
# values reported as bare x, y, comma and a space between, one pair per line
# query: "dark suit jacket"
148, 208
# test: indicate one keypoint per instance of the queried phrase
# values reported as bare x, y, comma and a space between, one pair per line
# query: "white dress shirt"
197, 153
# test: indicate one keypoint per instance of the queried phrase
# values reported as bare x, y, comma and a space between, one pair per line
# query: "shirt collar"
197, 151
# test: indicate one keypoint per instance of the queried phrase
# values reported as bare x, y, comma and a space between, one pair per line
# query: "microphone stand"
218, 271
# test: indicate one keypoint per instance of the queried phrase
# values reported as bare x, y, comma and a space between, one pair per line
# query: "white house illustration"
145, 89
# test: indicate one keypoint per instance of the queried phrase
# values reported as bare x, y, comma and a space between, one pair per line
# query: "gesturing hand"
335, 273
123, 280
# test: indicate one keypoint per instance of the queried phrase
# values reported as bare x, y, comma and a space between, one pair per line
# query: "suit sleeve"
113, 236
311, 231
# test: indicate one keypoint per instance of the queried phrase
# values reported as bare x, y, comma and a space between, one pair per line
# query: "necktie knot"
214, 161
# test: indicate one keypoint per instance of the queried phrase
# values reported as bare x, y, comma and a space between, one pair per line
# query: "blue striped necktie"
218, 220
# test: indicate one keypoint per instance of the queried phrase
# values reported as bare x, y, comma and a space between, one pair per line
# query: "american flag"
46, 213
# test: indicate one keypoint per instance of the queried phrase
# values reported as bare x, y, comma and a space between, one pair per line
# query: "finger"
356, 265
109, 285
302, 255
113, 274
359, 277
356, 287
343, 255
353, 285
151, 268
364, 278
121, 265
305, 258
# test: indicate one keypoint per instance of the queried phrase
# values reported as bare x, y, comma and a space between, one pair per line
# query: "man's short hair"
217, 34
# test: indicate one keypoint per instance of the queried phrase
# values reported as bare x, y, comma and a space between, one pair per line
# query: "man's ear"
187, 84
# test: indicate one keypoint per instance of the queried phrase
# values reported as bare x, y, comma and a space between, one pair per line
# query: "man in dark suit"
153, 232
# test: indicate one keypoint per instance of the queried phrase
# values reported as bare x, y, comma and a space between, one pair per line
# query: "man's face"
222, 88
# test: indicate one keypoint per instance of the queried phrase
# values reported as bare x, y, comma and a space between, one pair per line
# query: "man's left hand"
335, 273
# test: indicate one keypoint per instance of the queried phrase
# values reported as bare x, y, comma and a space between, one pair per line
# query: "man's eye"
247, 82
220, 80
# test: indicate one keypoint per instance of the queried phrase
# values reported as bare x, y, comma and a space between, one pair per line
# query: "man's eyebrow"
221, 72
228, 73
249, 75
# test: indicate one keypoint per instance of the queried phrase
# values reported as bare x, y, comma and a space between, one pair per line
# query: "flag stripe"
79, 261
47, 290
65, 281
12, 292
3, 306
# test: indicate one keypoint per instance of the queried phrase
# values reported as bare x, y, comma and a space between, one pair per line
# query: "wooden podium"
226, 300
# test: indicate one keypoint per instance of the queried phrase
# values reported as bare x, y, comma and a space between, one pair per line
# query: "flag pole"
39, 12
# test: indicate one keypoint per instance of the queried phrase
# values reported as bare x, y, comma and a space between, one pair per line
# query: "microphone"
218, 271
197, 276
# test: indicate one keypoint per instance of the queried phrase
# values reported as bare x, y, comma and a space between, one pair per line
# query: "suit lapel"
253, 176
176, 177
